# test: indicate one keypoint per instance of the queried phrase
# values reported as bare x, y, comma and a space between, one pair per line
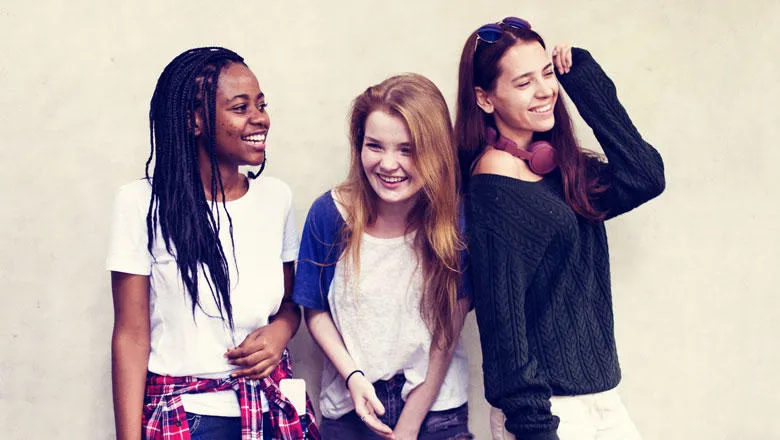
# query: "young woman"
379, 274
535, 221
201, 262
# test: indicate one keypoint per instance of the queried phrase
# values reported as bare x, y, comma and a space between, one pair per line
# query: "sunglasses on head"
492, 32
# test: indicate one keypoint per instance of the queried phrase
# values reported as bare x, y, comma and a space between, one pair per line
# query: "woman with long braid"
535, 207
201, 260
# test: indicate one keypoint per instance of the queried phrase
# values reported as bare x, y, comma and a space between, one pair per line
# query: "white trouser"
599, 416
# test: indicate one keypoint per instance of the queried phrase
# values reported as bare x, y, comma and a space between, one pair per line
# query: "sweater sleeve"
318, 255
635, 171
501, 274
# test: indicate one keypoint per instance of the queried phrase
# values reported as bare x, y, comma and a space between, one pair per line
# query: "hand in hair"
562, 58
367, 405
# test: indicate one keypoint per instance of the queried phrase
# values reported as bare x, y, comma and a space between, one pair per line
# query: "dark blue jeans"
451, 424
203, 427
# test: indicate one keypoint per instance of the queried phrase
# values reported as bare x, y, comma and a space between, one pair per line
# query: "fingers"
263, 374
375, 405
256, 365
557, 60
255, 358
568, 59
377, 426
367, 406
241, 351
256, 371
562, 59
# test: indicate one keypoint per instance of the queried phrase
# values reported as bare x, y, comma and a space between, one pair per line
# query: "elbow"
657, 178
652, 182
129, 343
656, 185
310, 317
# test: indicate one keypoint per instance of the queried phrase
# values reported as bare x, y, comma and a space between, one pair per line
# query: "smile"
542, 109
257, 138
391, 179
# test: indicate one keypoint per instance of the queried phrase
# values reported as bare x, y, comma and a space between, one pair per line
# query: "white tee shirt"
382, 327
265, 236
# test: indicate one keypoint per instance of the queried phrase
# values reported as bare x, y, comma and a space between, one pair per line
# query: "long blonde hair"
420, 104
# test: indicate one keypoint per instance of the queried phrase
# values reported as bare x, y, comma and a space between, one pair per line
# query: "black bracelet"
346, 381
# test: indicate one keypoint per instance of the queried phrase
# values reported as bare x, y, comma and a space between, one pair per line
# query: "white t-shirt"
265, 236
382, 327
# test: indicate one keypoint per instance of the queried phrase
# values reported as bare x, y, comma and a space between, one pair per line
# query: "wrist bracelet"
346, 381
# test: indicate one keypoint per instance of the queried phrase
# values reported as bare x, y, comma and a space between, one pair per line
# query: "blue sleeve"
319, 253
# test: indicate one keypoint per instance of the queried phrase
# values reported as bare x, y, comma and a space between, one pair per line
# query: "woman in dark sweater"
535, 216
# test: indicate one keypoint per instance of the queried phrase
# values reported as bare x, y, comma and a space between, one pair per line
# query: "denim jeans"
203, 427
451, 424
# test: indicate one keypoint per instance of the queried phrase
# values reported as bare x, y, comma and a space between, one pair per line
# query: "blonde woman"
379, 274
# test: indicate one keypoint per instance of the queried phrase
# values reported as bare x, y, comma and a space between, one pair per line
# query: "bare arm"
262, 349
420, 400
325, 333
130, 345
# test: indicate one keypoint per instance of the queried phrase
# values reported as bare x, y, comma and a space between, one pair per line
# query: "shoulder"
324, 205
324, 217
497, 162
271, 191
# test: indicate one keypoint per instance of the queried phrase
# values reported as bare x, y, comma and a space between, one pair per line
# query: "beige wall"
695, 272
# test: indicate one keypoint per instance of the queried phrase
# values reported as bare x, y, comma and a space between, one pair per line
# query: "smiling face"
241, 121
525, 93
386, 156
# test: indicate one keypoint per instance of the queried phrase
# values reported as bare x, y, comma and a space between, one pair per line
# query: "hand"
562, 58
367, 405
259, 353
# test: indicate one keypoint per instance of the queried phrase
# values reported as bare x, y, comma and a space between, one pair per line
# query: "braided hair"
189, 227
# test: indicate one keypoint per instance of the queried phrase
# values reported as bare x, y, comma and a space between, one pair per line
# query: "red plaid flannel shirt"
164, 417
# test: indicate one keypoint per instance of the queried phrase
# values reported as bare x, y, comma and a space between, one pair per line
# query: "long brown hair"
420, 104
479, 67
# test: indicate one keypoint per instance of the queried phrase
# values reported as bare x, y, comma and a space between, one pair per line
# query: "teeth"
390, 179
255, 138
542, 109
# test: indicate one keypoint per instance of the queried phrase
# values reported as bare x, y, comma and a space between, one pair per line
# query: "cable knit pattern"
541, 272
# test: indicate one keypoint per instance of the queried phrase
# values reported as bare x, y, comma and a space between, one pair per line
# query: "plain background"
695, 272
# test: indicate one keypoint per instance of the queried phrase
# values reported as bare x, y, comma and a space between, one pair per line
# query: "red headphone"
540, 155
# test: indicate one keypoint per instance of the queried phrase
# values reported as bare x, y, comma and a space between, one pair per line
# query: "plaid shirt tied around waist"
164, 417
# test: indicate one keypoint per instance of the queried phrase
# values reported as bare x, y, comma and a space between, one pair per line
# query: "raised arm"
635, 171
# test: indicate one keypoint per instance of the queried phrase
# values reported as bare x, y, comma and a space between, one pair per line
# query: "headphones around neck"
540, 155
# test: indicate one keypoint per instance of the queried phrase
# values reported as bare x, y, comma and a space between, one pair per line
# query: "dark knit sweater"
541, 272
